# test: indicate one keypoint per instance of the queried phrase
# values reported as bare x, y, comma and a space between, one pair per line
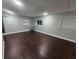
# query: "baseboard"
57, 36
43, 33
15, 32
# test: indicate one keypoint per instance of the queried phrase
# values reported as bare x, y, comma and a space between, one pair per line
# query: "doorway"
3, 29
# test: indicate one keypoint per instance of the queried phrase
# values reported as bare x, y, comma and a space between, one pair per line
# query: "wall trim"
15, 32
57, 36
43, 33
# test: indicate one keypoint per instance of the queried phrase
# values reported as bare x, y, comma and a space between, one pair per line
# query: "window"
39, 22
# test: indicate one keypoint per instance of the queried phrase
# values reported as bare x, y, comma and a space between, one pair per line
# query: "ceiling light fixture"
8, 11
45, 13
18, 2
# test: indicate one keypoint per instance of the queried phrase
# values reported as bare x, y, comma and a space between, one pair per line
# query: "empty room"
39, 29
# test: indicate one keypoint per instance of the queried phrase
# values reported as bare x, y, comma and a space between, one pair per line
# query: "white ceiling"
34, 8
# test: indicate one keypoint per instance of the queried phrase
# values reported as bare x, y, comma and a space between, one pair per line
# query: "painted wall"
62, 24
54, 25
15, 23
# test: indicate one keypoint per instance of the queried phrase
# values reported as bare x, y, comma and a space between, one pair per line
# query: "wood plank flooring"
34, 45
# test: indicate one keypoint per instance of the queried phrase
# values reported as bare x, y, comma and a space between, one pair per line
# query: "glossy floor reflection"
34, 45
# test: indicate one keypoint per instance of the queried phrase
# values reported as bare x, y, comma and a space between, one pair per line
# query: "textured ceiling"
34, 8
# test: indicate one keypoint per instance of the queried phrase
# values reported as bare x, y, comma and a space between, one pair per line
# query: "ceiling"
34, 8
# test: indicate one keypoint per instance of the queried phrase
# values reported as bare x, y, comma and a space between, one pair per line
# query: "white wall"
15, 23
53, 26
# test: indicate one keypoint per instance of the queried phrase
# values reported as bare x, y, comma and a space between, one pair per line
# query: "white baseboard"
57, 36
15, 32
43, 33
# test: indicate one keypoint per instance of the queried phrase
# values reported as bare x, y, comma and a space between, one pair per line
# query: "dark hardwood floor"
34, 45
